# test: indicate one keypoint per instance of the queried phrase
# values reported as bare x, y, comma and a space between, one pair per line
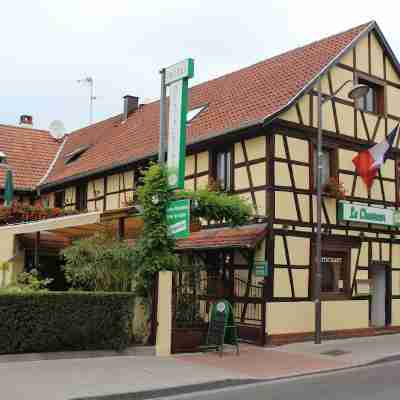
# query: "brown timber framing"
339, 141
246, 159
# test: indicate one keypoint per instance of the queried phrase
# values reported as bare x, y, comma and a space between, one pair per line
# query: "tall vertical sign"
176, 79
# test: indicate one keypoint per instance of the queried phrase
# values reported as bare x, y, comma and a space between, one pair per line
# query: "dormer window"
74, 155
3, 158
192, 114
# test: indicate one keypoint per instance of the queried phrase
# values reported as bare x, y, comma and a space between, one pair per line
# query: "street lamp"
357, 92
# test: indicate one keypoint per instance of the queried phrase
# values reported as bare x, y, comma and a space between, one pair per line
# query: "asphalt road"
375, 382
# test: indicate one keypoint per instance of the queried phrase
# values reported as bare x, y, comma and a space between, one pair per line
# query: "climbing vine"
154, 250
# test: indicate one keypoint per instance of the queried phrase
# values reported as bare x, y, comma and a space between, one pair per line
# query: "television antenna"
89, 81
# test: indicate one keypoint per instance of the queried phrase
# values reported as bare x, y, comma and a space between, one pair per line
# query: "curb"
227, 383
175, 390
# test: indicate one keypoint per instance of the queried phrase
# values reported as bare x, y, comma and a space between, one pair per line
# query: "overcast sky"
47, 45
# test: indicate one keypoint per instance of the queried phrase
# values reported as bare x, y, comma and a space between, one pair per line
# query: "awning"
71, 226
245, 237
58, 233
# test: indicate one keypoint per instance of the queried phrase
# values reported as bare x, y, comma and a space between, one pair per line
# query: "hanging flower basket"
334, 189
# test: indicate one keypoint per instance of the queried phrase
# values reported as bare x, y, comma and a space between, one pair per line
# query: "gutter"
111, 167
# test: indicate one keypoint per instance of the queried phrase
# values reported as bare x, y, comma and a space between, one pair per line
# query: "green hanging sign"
178, 218
176, 79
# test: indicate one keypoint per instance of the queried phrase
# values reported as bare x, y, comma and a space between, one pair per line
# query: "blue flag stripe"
390, 140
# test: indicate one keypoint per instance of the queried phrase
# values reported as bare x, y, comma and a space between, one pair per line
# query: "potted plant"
334, 188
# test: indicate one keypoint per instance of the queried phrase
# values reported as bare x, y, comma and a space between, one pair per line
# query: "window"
373, 101
59, 199
223, 169
335, 273
194, 113
74, 155
3, 158
81, 197
328, 165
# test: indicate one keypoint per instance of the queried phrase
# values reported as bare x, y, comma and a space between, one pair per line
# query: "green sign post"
370, 215
178, 218
176, 79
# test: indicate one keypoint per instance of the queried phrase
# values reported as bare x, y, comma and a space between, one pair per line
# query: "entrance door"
378, 296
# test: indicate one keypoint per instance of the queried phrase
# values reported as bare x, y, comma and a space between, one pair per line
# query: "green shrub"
218, 207
99, 263
49, 321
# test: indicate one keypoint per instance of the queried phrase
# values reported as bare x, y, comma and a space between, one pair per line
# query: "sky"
47, 45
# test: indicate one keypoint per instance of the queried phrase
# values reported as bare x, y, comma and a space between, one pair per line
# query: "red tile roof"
242, 98
29, 152
244, 237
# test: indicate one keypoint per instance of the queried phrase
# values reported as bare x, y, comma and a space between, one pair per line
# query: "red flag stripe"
364, 167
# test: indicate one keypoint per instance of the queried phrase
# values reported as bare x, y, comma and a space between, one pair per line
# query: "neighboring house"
29, 153
254, 131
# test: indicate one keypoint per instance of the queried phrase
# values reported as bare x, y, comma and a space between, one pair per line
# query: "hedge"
58, 321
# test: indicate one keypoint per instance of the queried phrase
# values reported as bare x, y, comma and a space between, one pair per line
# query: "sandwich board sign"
176, 79
178, 218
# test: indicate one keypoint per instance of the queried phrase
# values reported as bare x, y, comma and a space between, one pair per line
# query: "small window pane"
223, 170
369, 100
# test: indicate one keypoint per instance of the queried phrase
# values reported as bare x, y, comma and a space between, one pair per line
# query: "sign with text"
178, 218
176, 78
179, 71
367, 214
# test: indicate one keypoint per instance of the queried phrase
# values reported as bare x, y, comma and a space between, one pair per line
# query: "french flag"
369, 161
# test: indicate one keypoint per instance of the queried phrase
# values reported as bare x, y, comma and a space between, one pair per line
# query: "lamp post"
357, 92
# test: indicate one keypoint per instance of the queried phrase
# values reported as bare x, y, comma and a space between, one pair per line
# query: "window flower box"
335, 189
23, 213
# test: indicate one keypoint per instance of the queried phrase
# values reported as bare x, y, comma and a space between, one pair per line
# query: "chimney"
26, 121
131, 104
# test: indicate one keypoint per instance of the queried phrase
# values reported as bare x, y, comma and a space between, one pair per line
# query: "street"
376, 382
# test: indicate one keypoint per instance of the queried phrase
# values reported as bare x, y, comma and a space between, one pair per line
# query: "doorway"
381, 288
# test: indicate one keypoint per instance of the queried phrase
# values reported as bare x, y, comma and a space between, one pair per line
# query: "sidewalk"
301, 358
69, 378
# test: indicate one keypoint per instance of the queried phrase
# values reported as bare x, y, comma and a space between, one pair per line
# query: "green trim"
190, 68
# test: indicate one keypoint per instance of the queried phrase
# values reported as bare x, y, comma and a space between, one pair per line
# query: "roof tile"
242, 97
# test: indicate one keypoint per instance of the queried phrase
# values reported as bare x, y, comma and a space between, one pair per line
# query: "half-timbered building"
254, 131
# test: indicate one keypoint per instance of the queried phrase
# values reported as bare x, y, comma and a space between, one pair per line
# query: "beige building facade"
271, 163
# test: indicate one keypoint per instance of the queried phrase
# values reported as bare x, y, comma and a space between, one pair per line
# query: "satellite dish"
57, 129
